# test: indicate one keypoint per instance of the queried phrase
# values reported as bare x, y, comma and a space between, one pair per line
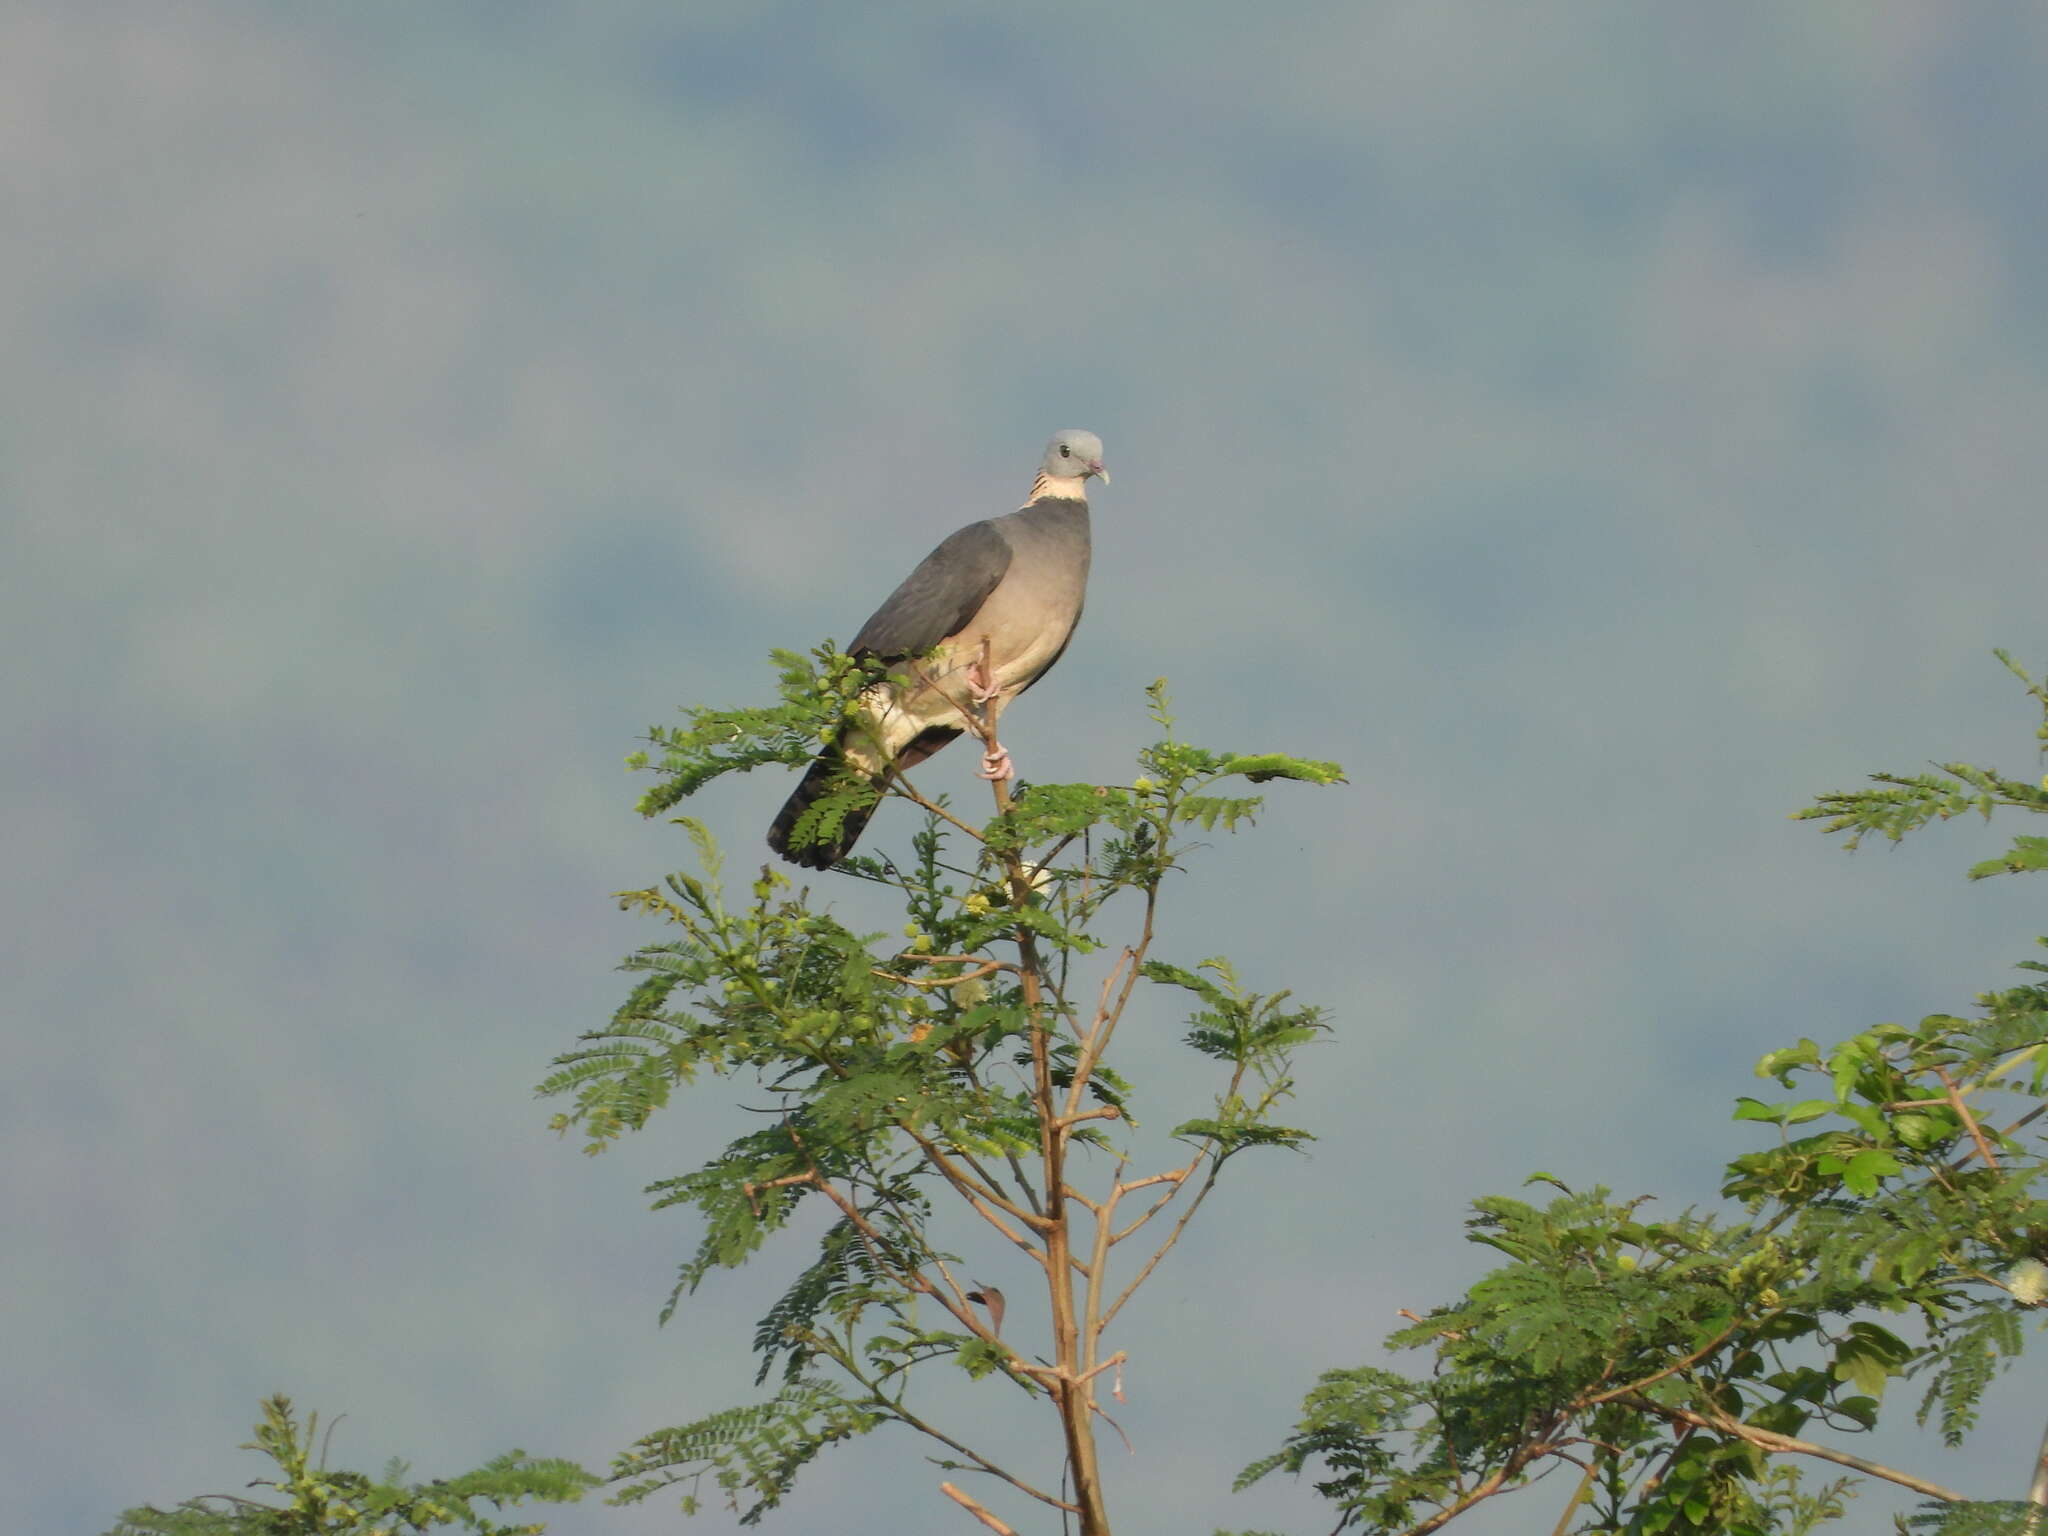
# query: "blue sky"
1598, 426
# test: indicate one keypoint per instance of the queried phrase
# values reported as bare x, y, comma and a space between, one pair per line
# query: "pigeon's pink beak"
1095, 468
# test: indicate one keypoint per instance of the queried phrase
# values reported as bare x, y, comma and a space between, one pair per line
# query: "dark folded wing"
940, 597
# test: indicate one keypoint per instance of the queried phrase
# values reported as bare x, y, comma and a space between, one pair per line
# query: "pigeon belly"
1025, 623
1031, 614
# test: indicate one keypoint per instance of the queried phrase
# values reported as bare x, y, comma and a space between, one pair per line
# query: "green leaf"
1261, 767
1868, 1357
1782, 1114
1866, 1168
2026, 855
1781, 1064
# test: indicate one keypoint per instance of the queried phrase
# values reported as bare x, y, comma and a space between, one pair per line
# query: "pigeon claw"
996, 765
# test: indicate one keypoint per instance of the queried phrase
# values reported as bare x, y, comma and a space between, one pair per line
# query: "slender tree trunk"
1073, 1397
2037, 1491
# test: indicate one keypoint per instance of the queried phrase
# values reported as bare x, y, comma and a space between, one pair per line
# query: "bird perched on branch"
983, 617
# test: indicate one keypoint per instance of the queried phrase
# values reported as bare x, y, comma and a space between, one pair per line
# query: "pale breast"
1028, 618
1025, 623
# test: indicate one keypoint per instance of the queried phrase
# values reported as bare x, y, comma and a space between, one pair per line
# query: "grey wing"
938, 598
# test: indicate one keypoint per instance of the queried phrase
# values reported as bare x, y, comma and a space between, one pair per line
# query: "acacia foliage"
1673, 1375
950, 1085
319, 1501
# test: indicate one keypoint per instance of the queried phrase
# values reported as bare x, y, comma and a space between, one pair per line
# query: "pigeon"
982, 618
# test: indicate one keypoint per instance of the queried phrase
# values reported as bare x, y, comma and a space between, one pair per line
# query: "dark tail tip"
827, 773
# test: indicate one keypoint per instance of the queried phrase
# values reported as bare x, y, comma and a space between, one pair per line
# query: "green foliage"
1678, 1367
956, 1069
320, 1502
1906, 803
819, 693
1253, 1033
1988, 1517
752, 1453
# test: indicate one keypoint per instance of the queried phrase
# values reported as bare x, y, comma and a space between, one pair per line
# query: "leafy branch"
961, 1074
1680, 1369
1905, 803
323, 1502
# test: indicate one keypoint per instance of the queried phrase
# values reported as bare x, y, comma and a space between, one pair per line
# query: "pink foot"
996, 765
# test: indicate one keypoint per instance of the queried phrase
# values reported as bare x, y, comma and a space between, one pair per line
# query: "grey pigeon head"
1074, 455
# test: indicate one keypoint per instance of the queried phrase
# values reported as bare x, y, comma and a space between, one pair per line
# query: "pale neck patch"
1058, 487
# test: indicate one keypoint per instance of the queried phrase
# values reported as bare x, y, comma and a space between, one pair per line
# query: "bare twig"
1767, 1440
2024, 1120
1655, 1480
1417, 1317
1098, 1034
976, 1510
1969, 1120
978, 1194
912, 957
914, 1279
1106, 1112
1176, 1177
751, 1190
903, 787
1166, 1244
1103, 1414
987, 969
1564, 1520
2037, 1490
1500, 1481
1683, 1362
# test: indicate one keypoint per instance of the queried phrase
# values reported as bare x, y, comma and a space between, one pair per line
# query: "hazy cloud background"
1599, 426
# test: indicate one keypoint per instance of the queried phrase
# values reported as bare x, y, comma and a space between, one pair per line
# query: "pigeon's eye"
1065, 451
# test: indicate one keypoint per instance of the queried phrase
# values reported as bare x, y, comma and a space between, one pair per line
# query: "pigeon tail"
830, 771
827, 773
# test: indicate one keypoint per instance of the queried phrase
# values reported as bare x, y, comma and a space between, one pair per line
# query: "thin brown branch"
1175, 1176
914, 1279
976, 1193
1571, 1505
1165, 1246
987, 969
751, 1190
1172, 1176
976, 1510
1084, 1063
1071, 1397
1417, 1317
1684, 1362
2037, 1489
1023, 1183
902, 786
1106, 1112
982, 1173
1786, 1445
1094, 1371
1098, 1275
1655, 1480
2024, 1120
1103, 1414
904, 1415
1045, 859
1969, 1120
911, 957
1499, 1482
